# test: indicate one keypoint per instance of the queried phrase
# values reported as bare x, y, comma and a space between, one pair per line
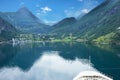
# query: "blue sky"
51, 11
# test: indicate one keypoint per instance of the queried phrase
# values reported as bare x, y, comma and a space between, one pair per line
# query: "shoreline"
52, 41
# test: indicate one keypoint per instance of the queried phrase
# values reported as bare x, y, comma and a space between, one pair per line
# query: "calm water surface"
57, 61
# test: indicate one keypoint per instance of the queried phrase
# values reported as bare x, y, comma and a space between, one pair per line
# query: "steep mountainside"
7, 31
63, 25
101, 21
112, 38
25, 21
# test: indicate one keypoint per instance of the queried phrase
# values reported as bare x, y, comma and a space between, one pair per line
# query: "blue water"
57, 61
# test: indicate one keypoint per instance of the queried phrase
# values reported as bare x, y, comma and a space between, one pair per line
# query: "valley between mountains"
100, 25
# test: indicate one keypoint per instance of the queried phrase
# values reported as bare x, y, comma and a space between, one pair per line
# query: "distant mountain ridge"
100, 21
63, 25
25, 21
100, 24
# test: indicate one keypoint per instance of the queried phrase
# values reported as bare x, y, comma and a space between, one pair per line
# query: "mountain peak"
69, 20
64, 22
24, 10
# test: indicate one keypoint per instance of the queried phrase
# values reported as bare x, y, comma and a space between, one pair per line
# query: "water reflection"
49, 67
56, 61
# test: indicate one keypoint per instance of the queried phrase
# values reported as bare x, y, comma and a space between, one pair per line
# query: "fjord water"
57, 61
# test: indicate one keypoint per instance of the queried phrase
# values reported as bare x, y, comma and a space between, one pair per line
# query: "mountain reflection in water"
56, 61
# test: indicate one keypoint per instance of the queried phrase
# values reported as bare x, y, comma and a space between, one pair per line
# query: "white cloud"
85, 11
77, 13
46, 9
42, 11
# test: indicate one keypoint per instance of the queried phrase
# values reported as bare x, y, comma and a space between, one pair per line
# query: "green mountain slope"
112, 38
63, 26
102, 20
7, 31
25, 21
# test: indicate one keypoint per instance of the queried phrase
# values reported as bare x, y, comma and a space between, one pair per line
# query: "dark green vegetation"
25, 21
22, 20
44, 37
63, 26
100, 22
7, 31
100, 25
111, 38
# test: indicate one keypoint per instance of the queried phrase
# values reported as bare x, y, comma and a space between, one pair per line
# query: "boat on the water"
91, 75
